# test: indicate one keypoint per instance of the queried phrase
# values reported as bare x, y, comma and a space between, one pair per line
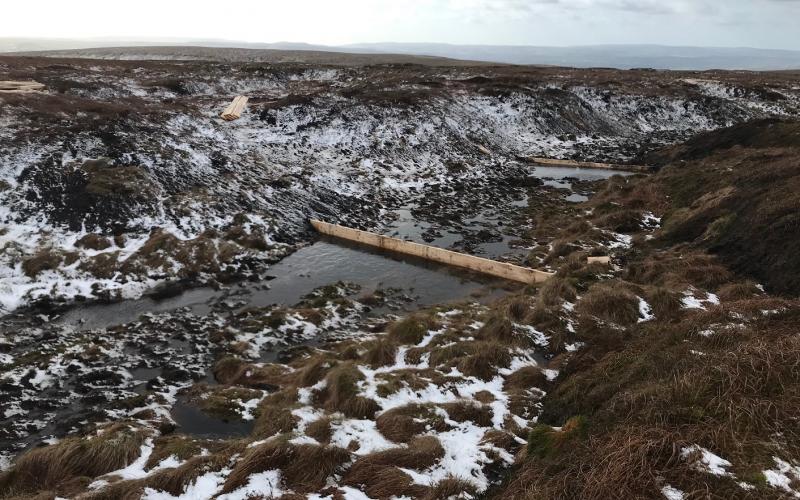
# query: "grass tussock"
451, 487
181, 447
488, 358
555, 291
320, 430
313, 372
275, 414
678, 270
444, 356
744, 290
612, 302
410, 330
665, 303
544, 440
525, 378
469, 411
404, 423
50, 467
304, 468
422, 452
499, 328
341, 393
381, 353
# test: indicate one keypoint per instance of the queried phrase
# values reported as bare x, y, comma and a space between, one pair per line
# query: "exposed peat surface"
173, 328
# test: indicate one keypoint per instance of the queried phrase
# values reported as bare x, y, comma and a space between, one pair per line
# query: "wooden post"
478, 264
235, 109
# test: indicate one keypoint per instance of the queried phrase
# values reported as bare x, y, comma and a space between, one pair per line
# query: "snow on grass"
671, 493
535, 335
363, 432
135, 470
464, 457
5, 462
650, 221
783, 476
690, 300
645, 311
706, 461
348, 493
263, 484
204, 487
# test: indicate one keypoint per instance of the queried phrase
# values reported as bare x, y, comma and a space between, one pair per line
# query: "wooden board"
18, 87
235, 108
478, 264
590, 164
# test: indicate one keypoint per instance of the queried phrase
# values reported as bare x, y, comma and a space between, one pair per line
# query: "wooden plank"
20, 87
591, 164
599, 260
235, 108
500, 269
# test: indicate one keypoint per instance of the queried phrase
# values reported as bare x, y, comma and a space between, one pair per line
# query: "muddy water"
311, 267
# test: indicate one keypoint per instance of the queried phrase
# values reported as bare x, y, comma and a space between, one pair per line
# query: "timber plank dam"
478, 264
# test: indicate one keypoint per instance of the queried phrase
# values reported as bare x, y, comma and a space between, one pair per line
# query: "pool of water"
322, 263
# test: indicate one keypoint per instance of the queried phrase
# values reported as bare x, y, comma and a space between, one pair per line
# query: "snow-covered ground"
338, 144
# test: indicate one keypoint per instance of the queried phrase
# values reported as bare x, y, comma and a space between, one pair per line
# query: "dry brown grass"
173, 481
451, 487
610, 301
443, 356
341, 392
743, 290
320, 430
488, 358
234, 371
678, 270
525, 378
404, 423
665, 303
498, 328
469, 411
369, 470
51, 466
627, 464
304, 468
275, 414
382, 352
501, 439
390, 482
44, 260
410, 330
313, 371
182, 447
556, 290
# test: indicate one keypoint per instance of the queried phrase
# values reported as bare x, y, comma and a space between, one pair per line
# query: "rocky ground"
669, 373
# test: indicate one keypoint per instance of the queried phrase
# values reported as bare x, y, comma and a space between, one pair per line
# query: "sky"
725, 23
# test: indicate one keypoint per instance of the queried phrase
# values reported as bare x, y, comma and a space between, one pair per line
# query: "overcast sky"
754, 23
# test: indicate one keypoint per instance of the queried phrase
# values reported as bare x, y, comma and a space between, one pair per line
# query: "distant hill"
610, 56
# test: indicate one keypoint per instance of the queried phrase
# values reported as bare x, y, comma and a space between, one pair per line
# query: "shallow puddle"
322, 263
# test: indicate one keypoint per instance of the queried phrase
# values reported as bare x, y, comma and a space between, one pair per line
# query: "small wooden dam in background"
478, 264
